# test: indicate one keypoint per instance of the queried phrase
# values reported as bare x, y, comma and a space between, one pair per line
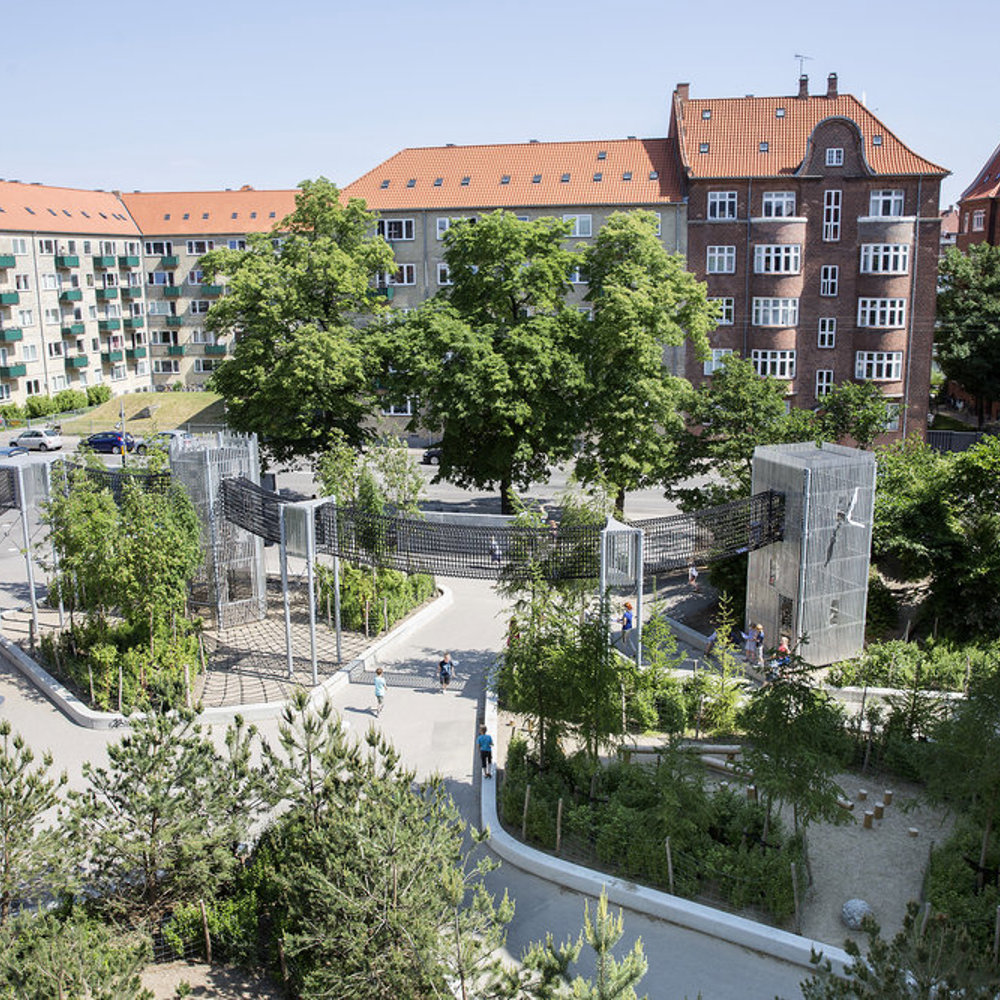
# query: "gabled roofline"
989, 161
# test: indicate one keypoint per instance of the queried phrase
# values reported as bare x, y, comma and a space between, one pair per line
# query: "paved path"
435, 733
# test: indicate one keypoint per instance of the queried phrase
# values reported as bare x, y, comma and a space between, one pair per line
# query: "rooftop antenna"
801, 60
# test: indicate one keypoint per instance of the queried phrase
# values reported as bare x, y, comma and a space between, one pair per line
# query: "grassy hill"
146, 412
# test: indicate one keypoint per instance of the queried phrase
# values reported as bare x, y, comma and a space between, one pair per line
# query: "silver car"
38, 439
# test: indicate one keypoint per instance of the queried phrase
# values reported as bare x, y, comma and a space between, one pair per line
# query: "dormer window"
412, 182
779, 112
564, 179
505, 179
703, 147
706, 114
763, 147
438, 181
627, 176
384, 185
537, 179
654, 175
598, 177
876, 140
465, 181
602, 154
835, 156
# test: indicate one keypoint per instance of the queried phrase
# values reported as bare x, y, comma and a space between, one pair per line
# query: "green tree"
613, 979
855, 410
28, 851
493, 358
74, 958
644, 301
967, 336
303, 363
157, 824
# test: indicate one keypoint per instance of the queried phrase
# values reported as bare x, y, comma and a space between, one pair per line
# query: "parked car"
38, 439
162, 439
114, 443
14, 449
432, 456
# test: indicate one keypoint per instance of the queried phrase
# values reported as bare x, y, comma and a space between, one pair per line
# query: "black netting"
112, 479
704, 536
8, 489
489, 552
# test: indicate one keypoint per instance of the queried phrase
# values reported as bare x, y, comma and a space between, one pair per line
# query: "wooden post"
795, 896
887, 797
187, 684
367, 610
670, 867
329, 616
120, 685
385, 612
90, 677
208, 937
524, 817
559, 825
869, 816
879, 810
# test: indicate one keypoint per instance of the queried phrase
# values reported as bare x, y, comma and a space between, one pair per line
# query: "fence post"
670, 867
204, 926
795, 897
385, 612
120, 684
559, 825
524, 817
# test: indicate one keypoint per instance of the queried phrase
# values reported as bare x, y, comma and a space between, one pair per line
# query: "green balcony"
10, 335
128, 261
105, 260
12, 371
172, 261
212, 290
172, 291
7, 260
215, 348
134, 322
9, 298
110, 357
104, 294
65, 260
177, 350
74, 330
175, 321
131, 291
135, 352
104, 325
77, 361
71, 295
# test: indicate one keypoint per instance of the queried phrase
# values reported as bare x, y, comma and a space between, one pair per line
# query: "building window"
200, 306
19, 246
885, 258
978, 220
406, 274
165, 366
824, 381
33, 387
777, 364
55, 349
831, 216
404, 409
829, 280
885, 203
715, 362
721, 205
827, 333
777, 258
443, 225
887, 313
110, 280
47, 246
107, 248
157, 308
205, 365
659, 223
200, 336
51, 316
29, 352
197, 247
195, 277
576, 277
892, 423
159, 248
879, 366
721, 260
444, 276
775, 312
236, 244
22, 282
395, 229
164, 338
726, 310
50, 281
160, 277
778, 204
26, 317
580, 224
835, 156
4, 391
763, 147
142, 367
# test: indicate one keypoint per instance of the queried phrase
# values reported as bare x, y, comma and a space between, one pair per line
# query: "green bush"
936, 665
381, 590
11, 414
39, 406
70, 399
97, 394
882, 616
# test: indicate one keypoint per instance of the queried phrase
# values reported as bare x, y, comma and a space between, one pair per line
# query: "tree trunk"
987, 830
620, 502
506, 494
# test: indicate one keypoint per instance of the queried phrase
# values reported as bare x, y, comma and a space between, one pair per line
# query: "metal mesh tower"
231, 587
814, 583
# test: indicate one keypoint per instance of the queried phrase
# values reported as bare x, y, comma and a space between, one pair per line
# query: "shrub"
40, 406
97, 394
70, 399
11, 413
382, 590
882, 617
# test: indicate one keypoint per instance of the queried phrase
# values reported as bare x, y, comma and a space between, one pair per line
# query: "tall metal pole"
55, 554
336, 581
311, 576
23, 504
637, 547
284, 589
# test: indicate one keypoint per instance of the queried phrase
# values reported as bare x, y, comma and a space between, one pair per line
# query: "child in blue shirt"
485, 743
379, 690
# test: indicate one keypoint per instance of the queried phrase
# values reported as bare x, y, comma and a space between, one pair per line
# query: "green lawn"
160, 411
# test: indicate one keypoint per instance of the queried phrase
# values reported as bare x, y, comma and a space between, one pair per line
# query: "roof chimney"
683, 91
831, 85
803, 86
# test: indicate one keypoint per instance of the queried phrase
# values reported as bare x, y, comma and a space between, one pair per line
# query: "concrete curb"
716, 923
77, 712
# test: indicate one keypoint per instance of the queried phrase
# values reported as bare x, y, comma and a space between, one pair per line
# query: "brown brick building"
979, 206
819, 231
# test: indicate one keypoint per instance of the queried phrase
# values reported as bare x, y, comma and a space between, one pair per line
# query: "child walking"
485, 743
379, 691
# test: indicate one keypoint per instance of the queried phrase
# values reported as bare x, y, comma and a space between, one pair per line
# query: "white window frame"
200, 363
582, 225
51, 317
826, 333
54, 348
29, 352
715, 361
778, 204
26, 317
236, 244
720, 259
47, 247
878, 366
829, 280
160, 279
199, 307
882, 314
19, 246
444, 223
728, 305
979, 220
159, 248
835, 156
824, 381
166, 366
774, 364
777, 258
22, 282
832, 203
197, 248
107, 248
443, 274
576, 276
396, 230
885, 258
722, 206
398, 409
886, 203
780, 312
50, 282
894, 408
405, 274
196, 277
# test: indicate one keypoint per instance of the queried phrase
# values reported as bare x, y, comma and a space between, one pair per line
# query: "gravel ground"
217, 981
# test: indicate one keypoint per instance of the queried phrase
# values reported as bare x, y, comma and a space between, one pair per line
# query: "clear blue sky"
215, 94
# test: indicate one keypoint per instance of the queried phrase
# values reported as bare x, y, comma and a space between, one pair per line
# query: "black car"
114, 443
432, 456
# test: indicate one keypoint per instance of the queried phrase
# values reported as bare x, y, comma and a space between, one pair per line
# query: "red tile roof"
949, 220
182, 213
737, 126
464, 177
37, 208
987, 182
